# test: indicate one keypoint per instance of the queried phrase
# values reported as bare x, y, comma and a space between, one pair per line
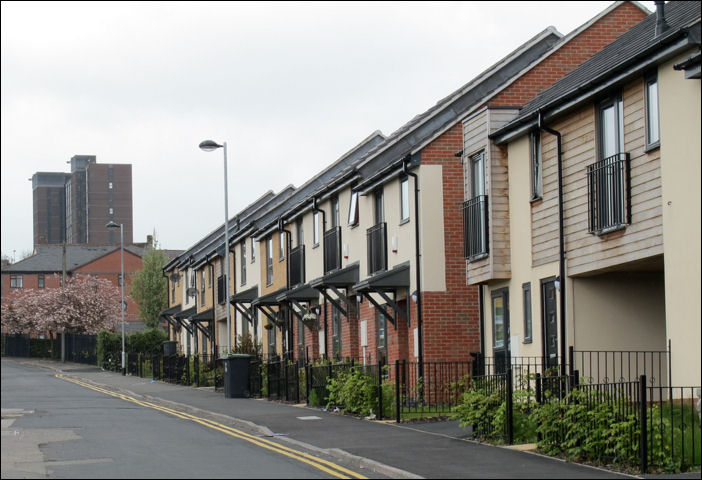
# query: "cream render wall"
431, 233
679, 100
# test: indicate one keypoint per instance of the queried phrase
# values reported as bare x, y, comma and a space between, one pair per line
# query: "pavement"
376, 448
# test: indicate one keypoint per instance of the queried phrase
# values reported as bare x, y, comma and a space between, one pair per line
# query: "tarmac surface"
379, 449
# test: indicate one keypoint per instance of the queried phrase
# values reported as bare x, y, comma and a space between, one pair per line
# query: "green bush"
41, 347
358, 393
146, 342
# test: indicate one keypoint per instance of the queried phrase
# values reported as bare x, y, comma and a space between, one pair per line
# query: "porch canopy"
239, 300
265, 304
168, 313
206, 316
343, 278
384, 283
182, 315
299, 299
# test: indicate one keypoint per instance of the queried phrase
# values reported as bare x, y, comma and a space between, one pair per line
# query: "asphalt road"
59, 429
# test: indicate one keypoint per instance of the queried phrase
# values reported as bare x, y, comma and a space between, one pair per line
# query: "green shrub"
358, 393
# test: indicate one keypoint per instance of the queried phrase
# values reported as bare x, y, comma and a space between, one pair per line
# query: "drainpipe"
420, 332
213, 345
168, 295
286, 252
561, 242
324, 227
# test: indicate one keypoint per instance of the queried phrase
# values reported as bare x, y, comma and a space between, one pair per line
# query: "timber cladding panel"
475, 140
587, 252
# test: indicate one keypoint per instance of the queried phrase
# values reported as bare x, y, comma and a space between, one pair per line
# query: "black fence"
80, 348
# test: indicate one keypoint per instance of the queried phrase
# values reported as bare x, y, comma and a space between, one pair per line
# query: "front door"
500, 329
549, 314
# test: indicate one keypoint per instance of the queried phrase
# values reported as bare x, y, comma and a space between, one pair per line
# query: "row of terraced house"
547, 208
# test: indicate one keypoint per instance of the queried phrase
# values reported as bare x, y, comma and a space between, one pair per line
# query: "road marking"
319, 463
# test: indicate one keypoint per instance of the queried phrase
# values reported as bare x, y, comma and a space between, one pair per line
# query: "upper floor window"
210, 276
610, 127
299, 232
202, 286
315, 228
477, 174
269, 260
653, 137
378, 206
40, 280
15, 281
404, 199
353, 209
242, 265
111, 211
109, 185
173, 290
335, 220
281, 246
253, 250
535, 157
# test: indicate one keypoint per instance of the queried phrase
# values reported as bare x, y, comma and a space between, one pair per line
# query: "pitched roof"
49, 258
630, 49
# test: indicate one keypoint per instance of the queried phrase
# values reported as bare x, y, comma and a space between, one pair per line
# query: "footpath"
378, 449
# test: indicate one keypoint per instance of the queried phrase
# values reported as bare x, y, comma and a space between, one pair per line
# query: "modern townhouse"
203, 312
602, 184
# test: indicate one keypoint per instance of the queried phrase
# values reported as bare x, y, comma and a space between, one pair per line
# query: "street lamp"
112, 224
208, 146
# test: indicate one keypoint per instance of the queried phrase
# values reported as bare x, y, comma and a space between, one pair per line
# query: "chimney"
661, 26
150, 241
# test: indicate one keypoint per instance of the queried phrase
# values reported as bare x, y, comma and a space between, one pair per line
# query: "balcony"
332, 249
297, 265
377, 248
609, 194
475, 228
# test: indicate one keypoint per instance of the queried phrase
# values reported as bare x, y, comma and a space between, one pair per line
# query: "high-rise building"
77, 206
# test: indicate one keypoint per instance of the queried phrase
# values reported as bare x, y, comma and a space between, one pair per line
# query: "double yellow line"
328, 467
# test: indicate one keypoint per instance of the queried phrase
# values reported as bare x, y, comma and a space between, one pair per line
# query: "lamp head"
209, 145
112, 224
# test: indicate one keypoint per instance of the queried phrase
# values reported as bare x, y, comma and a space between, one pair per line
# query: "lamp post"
208, 146
112, 224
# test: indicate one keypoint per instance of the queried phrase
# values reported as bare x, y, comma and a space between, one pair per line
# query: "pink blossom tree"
86, 304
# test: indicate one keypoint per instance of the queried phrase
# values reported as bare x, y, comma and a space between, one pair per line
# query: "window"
202, 286
526, 293
382, 330
173, 284
652, 120
300, 234
608, 179
610, 127
253, 250
119, 279
335, 220
477, 174
220, 290
498, 322
315, 228
353, 209
210, 276
271, 341
281, 246
336, 333
40, 280
109, 185
404, 200
111, 211
378, 206
536, 181
15, 281
269, 260
243, 263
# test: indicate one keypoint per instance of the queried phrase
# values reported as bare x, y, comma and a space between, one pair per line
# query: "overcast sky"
289, 86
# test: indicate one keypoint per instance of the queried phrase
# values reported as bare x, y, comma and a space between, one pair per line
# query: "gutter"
561, 241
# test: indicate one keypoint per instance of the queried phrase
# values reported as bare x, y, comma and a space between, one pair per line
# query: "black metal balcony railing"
332, 249
609, 194
297, 265
377, 248
475, 227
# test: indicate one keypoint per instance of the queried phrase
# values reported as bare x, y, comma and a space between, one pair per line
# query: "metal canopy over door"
549, 309
500, 329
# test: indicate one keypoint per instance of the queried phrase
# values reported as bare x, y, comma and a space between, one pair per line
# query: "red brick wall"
451, 324
109, 267
570, 55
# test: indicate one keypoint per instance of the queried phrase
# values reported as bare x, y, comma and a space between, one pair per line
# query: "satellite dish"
191, 292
